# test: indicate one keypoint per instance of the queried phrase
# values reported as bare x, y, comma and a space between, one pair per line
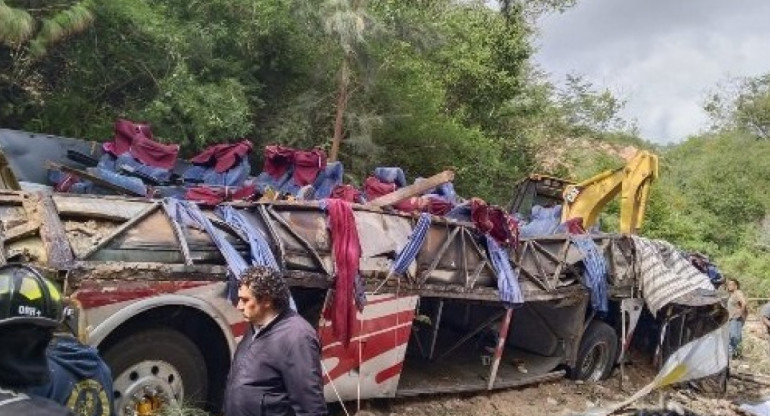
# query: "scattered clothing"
80, 379
277, 371
494, 221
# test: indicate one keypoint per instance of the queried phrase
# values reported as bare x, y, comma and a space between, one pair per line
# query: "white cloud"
662, 55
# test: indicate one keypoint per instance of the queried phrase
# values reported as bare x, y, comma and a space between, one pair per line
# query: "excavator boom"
587, 199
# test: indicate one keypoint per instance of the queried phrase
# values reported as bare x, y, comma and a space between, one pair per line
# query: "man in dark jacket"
30, 310
276, 369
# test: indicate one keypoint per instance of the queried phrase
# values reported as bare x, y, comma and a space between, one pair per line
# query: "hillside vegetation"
423, 84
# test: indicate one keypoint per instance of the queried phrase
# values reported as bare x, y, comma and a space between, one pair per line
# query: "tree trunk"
342, 102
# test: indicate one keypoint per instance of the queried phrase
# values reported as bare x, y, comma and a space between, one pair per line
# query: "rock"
551, 401
579, 382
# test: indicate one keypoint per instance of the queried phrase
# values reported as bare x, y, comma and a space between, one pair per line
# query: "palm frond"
16, 25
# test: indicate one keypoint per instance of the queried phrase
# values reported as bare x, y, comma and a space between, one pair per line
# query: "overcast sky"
664, 56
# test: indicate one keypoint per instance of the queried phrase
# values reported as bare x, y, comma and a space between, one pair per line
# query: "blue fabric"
714, 275
107, 161
409, 252
234, 176
79, 377
188, 214
445, 190
261, 255
544, 221
328, 179
127, 163
460, 212
391, 175
596, 271
128, 182
507, 277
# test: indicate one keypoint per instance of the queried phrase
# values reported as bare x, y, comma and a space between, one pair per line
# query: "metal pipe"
500, 347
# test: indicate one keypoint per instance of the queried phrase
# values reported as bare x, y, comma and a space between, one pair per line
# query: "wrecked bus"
151, 292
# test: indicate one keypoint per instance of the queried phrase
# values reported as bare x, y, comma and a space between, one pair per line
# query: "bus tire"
160, 365
597, 353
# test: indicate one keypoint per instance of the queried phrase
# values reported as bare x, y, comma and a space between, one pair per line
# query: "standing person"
276, 369
736, 307
30, 310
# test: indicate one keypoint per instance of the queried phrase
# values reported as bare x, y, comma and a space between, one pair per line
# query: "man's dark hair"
737, 283
265, 283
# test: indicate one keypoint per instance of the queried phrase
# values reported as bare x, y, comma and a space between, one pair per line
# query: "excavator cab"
587, 199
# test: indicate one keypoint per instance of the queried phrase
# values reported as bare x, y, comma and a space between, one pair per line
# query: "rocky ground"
567, 397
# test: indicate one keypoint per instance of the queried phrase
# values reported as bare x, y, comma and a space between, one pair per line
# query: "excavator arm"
588, 198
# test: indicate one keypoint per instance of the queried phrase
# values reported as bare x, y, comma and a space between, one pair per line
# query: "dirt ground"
566, 397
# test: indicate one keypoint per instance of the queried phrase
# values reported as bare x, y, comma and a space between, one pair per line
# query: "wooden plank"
98, 208
21, 231
52, 234
93, 178
413, 190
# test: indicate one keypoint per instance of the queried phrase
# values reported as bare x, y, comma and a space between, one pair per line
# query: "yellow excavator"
586, 199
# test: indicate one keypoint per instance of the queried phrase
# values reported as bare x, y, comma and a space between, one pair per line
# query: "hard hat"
26, 297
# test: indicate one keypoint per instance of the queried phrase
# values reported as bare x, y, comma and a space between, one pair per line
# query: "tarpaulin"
137, 139
278, 160
665, 274
702, 357
347, 253
223, 157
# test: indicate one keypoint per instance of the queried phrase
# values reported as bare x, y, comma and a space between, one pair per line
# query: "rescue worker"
736, 308
276, 370
30, 310
80, 379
